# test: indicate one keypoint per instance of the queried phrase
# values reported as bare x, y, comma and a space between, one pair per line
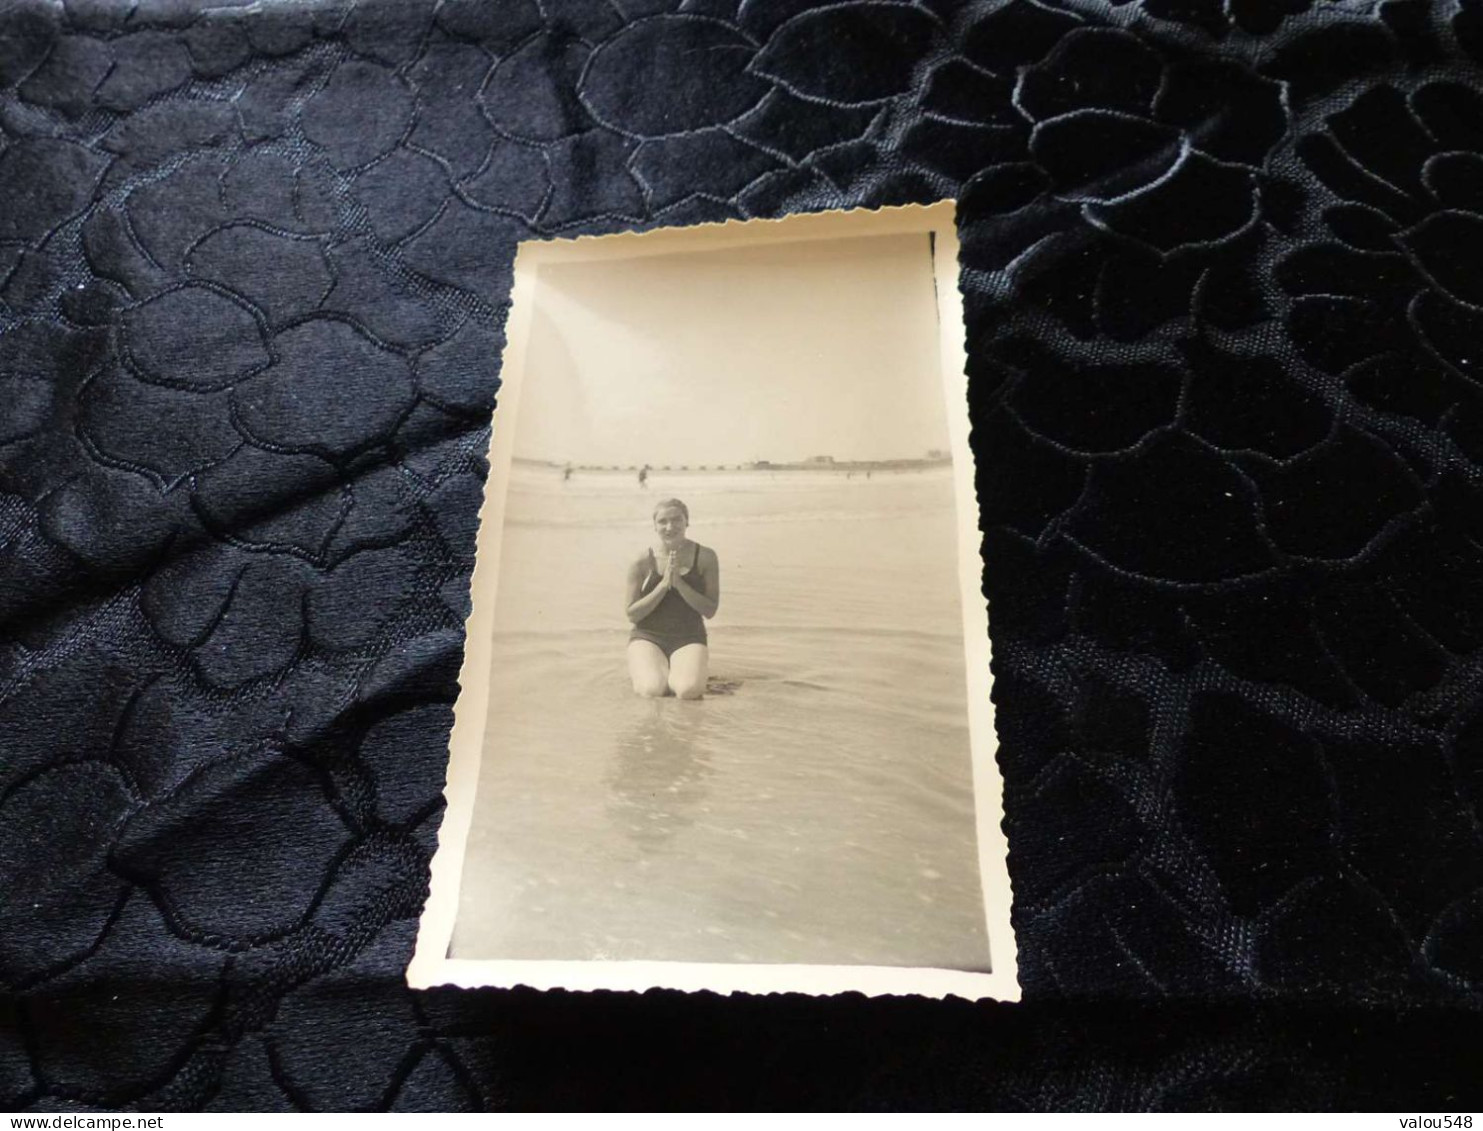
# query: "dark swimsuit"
673, 623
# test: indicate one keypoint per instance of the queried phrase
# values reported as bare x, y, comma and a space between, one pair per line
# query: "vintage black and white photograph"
726, 698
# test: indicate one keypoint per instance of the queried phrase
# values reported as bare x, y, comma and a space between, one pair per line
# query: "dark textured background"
1223, 264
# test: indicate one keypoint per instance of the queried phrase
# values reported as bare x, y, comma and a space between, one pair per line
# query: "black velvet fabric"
1223, 272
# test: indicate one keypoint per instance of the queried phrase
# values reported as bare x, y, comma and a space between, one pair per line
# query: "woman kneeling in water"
672, 591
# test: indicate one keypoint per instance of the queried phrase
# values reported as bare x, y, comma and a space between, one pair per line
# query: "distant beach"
816, 464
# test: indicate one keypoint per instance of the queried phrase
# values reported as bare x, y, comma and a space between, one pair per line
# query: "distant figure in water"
673, 589
644, 476
567, 473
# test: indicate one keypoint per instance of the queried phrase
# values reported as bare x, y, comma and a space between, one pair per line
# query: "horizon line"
932, 456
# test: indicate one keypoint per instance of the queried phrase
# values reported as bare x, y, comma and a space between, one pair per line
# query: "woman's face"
670, 522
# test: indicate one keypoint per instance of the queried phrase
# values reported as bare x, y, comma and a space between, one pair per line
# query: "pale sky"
777, 352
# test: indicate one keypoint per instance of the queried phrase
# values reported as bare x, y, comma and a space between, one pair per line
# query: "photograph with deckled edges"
726, 706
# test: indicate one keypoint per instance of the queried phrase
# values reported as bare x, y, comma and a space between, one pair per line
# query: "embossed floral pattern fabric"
1223, 268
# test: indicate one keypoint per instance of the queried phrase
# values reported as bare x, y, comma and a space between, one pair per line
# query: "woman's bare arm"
641, 604
707, 599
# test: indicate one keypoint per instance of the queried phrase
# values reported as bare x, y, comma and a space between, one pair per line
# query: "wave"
608, 522
770, 631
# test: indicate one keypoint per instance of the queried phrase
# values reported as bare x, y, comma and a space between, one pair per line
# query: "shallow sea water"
816, 807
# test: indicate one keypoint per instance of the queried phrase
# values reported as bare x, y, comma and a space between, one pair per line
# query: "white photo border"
430, 966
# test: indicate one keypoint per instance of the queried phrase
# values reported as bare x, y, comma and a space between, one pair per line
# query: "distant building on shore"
934, 458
